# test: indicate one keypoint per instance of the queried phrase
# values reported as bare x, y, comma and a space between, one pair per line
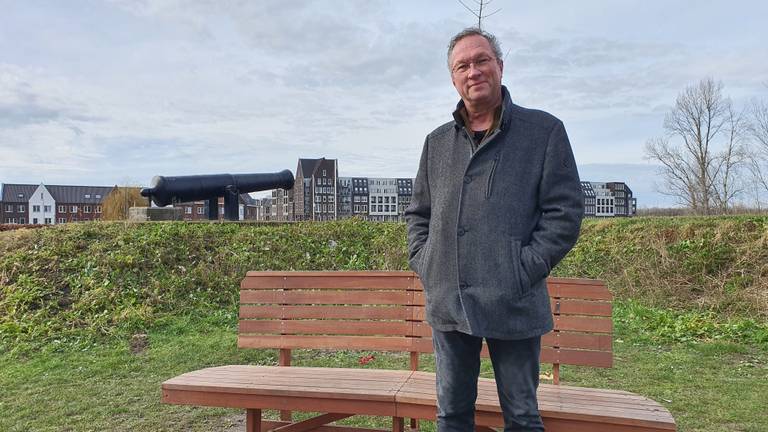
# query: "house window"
36, 208
187, 210
20, 196
200, 210
62, 209
86, 209
98, 196
47, 209
9, 208
21, 209
48, 221
22, 220
73, 209
98, 208
34, 221
62, 220
87, 196
323, 173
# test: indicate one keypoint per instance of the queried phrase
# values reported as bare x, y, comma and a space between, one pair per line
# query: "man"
496, 204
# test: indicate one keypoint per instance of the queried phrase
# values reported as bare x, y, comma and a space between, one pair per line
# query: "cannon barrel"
167, 190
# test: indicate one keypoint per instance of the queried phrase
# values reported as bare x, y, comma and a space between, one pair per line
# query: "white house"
42, 207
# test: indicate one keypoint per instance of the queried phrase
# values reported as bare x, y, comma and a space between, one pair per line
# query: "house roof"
308, 166
61, 193
247, 199
79, 194
11, 192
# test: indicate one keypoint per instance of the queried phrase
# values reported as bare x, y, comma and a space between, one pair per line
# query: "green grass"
708, 385
691, 314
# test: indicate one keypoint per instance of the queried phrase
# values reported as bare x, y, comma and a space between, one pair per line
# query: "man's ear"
501, 66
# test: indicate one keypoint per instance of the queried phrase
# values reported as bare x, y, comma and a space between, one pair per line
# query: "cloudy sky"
115, 92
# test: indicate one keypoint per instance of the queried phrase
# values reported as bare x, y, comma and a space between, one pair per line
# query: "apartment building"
314, 192
383, 193
360, 197
51, 204
281, 208
404, 193
15, 203
611, 199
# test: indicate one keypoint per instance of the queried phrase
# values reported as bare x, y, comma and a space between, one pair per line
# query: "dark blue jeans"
515, 366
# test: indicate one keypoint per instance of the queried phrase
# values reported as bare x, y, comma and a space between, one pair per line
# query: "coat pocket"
491, 174
520, 277
424, 258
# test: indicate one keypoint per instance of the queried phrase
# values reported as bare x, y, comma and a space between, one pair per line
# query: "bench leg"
253, 420
398, 424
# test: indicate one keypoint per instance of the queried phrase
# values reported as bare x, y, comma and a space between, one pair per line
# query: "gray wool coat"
486, 228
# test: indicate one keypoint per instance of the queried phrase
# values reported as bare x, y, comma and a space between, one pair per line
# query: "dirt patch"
236, 423
139, 343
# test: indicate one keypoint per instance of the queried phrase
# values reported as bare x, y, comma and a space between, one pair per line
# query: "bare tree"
678, 171
758, 129
732, 160
693, 170
480, 11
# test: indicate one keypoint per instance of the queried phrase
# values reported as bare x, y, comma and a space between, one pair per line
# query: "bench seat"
397, 393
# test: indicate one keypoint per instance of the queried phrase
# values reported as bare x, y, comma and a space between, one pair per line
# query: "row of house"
318, 194
51, 204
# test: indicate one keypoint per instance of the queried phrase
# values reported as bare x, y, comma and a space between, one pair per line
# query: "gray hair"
474, 31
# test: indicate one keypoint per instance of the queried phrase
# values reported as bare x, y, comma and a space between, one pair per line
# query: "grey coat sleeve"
562, 207
418, 213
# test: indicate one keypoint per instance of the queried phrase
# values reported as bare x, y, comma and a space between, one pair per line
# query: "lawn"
707, 385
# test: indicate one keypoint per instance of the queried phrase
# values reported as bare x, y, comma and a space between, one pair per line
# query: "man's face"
475, 70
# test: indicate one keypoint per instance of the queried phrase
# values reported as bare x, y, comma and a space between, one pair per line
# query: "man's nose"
473, 70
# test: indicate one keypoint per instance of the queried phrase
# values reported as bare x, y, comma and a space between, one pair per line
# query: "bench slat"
568, 306
333, 297
323, 281
329, 312
415, 312
327, 327
594, 291
377, 343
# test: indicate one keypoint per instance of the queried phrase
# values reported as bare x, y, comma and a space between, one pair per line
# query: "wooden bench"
384, 311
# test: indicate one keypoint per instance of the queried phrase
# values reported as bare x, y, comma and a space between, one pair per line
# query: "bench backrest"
384, 311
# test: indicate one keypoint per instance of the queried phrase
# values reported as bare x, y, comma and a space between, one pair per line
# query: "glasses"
479, 63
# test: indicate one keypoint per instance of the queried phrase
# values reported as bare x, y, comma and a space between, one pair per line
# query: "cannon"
168, 190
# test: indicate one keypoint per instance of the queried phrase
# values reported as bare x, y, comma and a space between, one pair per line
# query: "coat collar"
459, 114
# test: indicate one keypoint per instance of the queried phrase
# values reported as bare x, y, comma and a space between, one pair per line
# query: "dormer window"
87, 196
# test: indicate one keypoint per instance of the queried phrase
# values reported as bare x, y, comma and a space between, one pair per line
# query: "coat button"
462, 231
467, 179
463, 286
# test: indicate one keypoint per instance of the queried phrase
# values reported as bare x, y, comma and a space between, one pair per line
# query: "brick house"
52, 204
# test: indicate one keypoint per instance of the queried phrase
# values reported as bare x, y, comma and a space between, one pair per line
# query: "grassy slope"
708, 386
691, 320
